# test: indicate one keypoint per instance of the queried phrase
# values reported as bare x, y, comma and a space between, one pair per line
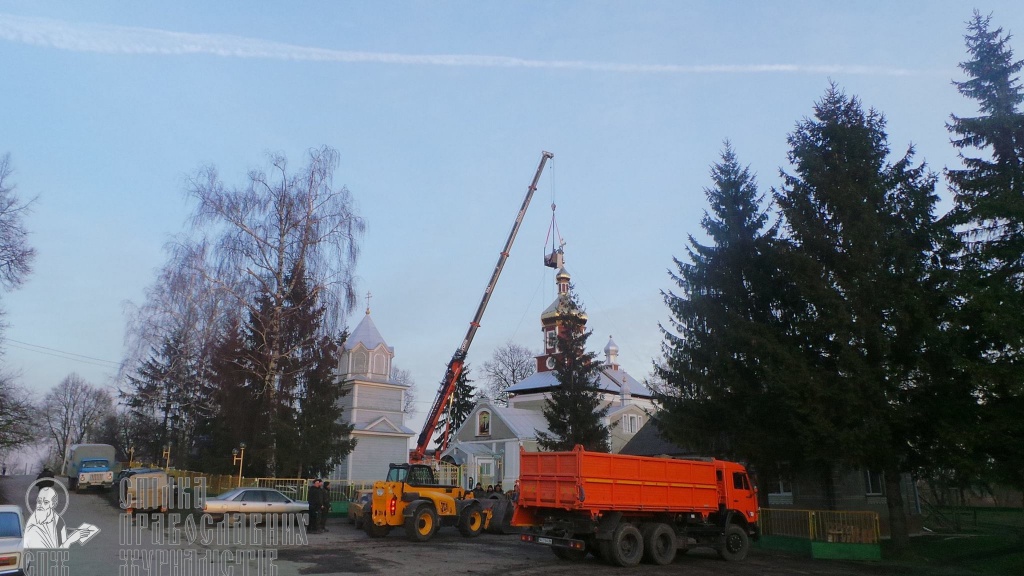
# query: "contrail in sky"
106, 39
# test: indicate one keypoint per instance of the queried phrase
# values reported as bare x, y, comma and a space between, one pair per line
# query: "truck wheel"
733, 544
471, 524
422, 524
570, 554
626, 546
73, 483
659, 544
375, 531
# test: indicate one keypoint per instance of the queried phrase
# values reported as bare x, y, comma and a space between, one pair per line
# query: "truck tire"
422, 525
659, 544
626, 547
733, 544
73, 483
471, 523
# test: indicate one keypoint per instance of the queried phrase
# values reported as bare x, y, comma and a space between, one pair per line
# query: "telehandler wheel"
422, 524
733, 544
375, 531
471, 523
659, 544
626, 547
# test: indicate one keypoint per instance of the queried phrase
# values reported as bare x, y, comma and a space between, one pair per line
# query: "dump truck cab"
410, 497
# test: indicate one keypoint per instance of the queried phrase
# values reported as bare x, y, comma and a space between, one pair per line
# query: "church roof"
366, 334
522, 423
610, 381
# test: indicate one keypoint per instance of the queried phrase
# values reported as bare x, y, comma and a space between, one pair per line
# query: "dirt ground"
345, 550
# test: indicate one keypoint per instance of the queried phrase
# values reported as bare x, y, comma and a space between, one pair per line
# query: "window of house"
485, 472
873, 483
630, 423
780, 485
483, 423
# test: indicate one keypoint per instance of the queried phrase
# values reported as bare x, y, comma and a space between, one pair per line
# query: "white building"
373, 405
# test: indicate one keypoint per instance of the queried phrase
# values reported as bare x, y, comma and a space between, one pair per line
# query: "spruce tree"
720, 399
459, 406
989, 215
574, 410
861, 234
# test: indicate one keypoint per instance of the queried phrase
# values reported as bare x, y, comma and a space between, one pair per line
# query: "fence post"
810, 524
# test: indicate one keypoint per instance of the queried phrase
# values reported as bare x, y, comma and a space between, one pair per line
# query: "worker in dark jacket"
316, 503
46, 473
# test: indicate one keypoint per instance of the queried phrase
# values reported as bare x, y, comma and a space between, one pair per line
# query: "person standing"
325, 509
315, 500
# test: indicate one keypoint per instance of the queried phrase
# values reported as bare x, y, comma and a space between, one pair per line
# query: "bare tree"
401, 376
15, 253
508, 364
262, 241
74, 410
17, 416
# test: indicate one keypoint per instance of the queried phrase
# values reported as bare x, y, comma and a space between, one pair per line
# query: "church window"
630, 423
359, 362
551, 340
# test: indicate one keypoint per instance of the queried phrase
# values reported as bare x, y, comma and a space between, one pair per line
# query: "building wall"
371, 457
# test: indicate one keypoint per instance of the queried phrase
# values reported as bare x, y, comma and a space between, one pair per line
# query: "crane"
455, 365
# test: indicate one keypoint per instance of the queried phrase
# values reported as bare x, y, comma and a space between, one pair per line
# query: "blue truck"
90, 466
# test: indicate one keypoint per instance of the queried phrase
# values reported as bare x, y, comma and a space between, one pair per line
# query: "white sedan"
243, 502
12, 553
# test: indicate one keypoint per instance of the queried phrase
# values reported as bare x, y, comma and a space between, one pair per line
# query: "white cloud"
105, 39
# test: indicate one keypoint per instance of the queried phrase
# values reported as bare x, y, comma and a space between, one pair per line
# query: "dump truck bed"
595, 481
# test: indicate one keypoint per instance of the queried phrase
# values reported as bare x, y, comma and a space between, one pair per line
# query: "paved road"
123, 548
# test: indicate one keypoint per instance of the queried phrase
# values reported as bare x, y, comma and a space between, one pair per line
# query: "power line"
61, 353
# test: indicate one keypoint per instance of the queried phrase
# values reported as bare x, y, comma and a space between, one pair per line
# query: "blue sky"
440, 111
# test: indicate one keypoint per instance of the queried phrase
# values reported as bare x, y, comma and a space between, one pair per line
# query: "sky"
440, 112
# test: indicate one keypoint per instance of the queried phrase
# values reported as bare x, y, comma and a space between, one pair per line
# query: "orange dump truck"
625, 509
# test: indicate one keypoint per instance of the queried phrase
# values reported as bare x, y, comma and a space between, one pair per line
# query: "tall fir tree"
722, 334
296, 430
988, 194
861, 236
169, 391
575, 410
459, 406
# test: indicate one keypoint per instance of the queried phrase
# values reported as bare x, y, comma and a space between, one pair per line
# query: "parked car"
147, 490
12, 553
359, 508
244, 502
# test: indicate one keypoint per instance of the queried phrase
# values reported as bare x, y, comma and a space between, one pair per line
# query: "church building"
374, 405
488, 442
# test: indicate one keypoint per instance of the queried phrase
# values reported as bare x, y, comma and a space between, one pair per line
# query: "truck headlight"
81, 477
110, 476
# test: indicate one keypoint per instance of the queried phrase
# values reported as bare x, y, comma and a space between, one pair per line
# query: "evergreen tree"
719, 399
169, 392
574, 411
861, 236
989, 213
459, 406
294, 430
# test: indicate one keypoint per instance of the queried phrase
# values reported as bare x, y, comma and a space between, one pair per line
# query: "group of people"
319, 499
480, 492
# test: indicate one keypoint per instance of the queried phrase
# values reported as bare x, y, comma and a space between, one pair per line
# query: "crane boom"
447, 388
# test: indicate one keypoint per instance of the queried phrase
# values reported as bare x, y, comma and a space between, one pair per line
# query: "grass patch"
989, 554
